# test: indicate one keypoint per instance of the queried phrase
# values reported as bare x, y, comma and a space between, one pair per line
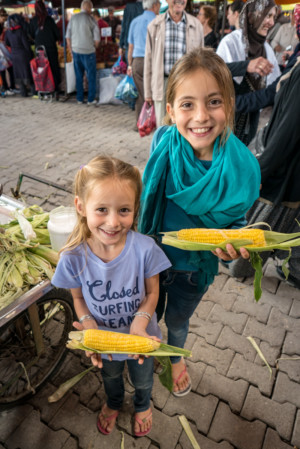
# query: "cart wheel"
33, 345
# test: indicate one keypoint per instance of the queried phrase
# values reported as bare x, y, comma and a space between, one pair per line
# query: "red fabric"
41, 73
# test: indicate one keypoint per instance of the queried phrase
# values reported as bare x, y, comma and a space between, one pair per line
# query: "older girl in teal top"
198, 175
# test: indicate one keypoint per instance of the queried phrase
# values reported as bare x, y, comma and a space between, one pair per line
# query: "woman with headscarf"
249, 43
21, 54
279, 160
45, 32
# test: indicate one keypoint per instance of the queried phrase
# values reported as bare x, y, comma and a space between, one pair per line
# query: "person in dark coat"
21, 54
45, 32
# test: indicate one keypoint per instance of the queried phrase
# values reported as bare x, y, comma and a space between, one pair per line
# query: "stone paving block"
217, 293
270, 281
259, 311
291, 344
236, 321
203, 309
273, 441
286, 390
271, 354
40, 435
206, 329
220, 359
290, 366
273, 335
296, 433
282, 321
71, 443
279, 301
279, 416
252, 373
40, 401
238, 343
11, 418
231, 391
239, 432
285, 290
160, 394
203, 442
295, 309
198, 408
236, 288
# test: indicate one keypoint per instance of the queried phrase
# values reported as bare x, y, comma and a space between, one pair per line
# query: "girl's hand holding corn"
138, 327
231, 253
95, 357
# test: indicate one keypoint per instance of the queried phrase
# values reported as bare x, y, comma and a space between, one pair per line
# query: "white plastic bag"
70, 77
107, 90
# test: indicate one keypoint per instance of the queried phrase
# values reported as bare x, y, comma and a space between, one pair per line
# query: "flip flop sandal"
107, 418
141, 422
186, 391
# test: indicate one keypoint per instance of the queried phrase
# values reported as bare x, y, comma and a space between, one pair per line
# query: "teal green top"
180, 191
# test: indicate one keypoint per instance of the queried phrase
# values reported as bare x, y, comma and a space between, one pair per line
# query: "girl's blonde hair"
207, 60
97, 170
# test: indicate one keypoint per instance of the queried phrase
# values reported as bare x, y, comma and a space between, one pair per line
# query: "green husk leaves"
66, 386
164, 350
274, 240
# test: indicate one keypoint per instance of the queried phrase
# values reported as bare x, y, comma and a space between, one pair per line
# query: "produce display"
254, 240
25, 254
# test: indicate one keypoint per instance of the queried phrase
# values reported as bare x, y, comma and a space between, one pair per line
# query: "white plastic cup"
60, 225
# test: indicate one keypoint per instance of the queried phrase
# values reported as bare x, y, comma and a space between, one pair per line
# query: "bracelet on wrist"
86, 317
143, 314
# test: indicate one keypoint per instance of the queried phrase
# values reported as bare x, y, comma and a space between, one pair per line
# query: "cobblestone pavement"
234, 403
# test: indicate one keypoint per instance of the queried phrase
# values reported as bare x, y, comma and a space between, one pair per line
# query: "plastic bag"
107, 90
120, 67
147, 121
126, 90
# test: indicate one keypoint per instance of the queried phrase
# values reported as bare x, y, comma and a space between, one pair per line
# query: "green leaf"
256, 262
285, 269
165, 376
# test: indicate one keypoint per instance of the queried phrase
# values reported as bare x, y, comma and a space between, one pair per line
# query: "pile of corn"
24, 262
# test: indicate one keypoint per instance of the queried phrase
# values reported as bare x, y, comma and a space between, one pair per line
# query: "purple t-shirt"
113, 291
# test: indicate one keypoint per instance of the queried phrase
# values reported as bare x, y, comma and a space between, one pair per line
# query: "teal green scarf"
218, 196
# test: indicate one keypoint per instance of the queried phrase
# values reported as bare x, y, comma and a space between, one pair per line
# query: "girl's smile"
109, 211
199, 112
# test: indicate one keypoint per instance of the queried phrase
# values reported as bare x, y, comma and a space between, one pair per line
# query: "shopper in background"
59, 25
285, 39
208, 16
113, 21
44, 32
7, 88
131, 11
233, 15
249, 43
101, 24
169, 37
21, 54
136, 49
83, 38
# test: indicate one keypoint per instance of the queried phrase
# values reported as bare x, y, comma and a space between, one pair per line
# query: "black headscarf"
41, 13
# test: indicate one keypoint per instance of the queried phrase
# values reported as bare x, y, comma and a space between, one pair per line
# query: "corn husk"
66, 386
274, 240
187, 428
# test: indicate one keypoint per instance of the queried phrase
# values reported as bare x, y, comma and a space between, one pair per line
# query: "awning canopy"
69, 3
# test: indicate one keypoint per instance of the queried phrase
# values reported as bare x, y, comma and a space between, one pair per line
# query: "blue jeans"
183, 298
86, 63
141, 377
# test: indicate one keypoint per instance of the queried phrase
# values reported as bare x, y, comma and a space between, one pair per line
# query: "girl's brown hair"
97, 170
207, 60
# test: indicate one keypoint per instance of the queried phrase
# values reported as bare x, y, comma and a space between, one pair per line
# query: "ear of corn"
220, 236
118, 342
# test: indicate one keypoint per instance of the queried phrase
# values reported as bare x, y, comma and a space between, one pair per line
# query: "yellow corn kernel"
115, 341
218, 236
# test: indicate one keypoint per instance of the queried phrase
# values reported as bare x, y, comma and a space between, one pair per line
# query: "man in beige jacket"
169, 36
